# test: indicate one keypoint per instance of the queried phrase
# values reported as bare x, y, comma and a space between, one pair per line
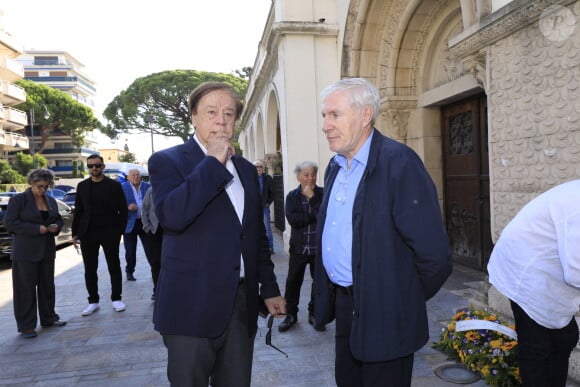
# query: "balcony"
60, 82
14, 119
9, 45
12, 141
10, 70
11, 94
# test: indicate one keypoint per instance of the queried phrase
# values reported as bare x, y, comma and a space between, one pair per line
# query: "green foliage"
9, 175
127, 158
82, 169
75, 171
244, 72
162, 96
488, 352
65, 115
23, 162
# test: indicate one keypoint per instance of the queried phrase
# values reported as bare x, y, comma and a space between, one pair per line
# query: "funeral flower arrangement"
481, 342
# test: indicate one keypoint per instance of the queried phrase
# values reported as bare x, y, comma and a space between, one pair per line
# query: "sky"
120, 40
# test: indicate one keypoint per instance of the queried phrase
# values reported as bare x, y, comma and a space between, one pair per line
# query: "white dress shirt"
536, 261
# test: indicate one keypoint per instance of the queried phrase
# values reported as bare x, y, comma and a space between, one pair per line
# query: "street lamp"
151, 120
46, 117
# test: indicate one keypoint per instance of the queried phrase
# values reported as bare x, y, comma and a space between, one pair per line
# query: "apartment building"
60, 70
12, 121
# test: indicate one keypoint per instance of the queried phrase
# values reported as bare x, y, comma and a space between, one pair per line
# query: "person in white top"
536, 264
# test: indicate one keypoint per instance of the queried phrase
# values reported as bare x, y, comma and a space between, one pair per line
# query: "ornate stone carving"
517, 15
476, 65
399, 122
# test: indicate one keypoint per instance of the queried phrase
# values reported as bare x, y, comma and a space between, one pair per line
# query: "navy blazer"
203, 240
130, 198
400, 253
23, 219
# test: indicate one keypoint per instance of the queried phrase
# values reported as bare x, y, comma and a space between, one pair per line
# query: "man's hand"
221, 148
132, 207
276, 306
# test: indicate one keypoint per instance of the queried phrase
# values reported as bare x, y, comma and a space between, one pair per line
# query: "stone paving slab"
122, 349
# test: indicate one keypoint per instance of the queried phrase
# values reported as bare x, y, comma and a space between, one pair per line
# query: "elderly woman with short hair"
33, 219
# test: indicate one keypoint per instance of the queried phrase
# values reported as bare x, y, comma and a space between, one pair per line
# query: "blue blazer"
203, 240
400, 253
23, 219
130, 198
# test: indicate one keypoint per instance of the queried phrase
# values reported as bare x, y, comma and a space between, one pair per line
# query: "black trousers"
296, 268
90, 244
155, 242
222, 361
350, 372
543, 353
33, 287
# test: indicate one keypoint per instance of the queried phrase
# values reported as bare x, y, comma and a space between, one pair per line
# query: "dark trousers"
155, 241
130, 241
90, 244
296, 269
32, 288
543, 353
350, 372
225, 360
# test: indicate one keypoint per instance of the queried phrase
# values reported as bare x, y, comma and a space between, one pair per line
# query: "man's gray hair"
40, 174
361, 94
259, 162
302, 165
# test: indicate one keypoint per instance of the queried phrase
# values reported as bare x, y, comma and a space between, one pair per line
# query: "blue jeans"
268, 227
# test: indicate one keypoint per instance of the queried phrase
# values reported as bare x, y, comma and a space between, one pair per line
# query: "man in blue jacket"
383, 250
216, 260
134, 190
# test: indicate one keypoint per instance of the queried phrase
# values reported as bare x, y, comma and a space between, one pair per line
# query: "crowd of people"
374, 241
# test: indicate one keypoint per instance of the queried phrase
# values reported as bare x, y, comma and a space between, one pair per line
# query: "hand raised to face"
221, 148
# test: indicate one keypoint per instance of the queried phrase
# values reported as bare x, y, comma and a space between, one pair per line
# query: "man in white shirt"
536, 264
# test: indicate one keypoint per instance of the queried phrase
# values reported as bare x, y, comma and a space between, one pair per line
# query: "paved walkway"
122, 349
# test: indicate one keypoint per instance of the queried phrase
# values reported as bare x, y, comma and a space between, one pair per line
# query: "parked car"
56, 193
5, 197
69, 198
64, 237
64, 187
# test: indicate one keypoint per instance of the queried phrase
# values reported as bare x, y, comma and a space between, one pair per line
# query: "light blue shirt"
337, 231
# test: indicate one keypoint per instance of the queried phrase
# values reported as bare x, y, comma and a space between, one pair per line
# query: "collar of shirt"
361, 157
203, 148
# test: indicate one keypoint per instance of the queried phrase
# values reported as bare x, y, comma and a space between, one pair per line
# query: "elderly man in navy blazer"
215, 260
134, 190
383, 250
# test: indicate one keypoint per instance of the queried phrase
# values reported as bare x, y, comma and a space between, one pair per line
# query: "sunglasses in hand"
269, 336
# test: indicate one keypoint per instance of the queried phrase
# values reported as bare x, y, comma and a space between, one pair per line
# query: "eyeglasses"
97, 165
269, 336
40, 186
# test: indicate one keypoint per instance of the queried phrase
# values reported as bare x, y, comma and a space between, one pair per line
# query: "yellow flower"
495, 343
509, 345
458, 315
